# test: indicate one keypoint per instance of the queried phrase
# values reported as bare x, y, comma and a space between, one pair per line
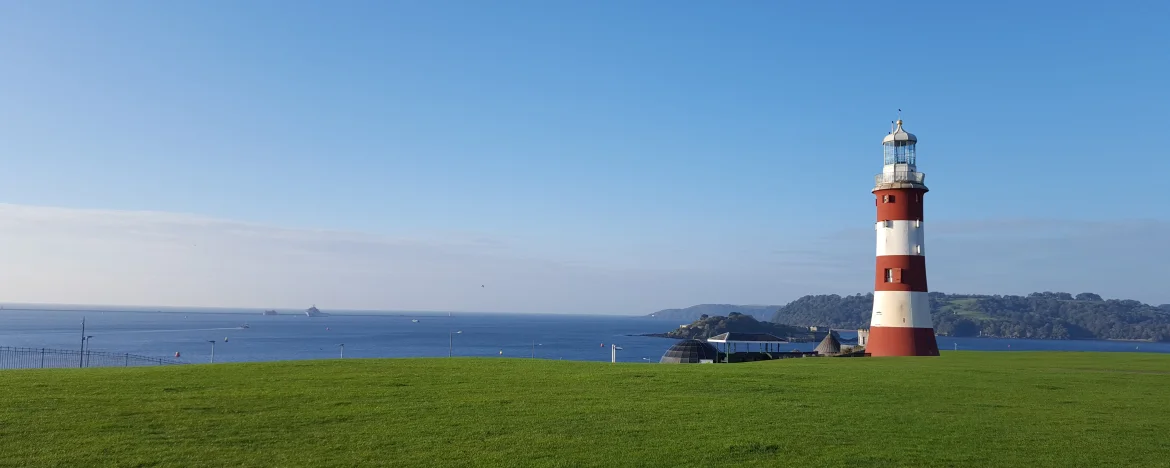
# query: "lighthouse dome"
900, 136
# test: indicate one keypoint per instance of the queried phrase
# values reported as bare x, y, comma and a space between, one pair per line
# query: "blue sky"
607, 157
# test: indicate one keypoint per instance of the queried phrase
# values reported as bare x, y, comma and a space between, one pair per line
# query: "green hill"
760, 312
707, 326
961, 409
1045, 315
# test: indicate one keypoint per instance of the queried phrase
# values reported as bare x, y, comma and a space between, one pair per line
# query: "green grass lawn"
961, 409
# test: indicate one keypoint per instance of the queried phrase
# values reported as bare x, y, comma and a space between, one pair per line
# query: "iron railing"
32, 358
899, 176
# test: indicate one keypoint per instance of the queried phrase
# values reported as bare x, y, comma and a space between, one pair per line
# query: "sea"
247, 335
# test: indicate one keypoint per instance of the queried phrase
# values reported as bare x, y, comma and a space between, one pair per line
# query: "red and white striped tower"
901, 324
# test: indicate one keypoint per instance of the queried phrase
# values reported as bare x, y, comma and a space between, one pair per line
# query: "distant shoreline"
205, 312
664, 335
656, 335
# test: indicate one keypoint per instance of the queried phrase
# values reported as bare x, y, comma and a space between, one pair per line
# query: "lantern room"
898, 147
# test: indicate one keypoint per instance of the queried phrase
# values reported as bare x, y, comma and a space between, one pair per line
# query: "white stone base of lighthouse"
901, 325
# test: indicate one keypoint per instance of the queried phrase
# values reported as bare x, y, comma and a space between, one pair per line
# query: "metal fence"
31, 358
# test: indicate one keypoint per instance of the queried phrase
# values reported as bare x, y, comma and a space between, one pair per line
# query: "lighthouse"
900, 325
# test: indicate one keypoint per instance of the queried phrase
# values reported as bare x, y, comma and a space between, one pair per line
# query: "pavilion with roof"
738, 347
733, 340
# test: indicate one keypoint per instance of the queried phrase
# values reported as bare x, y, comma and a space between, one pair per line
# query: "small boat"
245, 326
414, 320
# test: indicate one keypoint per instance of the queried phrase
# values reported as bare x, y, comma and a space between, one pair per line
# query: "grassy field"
960, 409
965, 308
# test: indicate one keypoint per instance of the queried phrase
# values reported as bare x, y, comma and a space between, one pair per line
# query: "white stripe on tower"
899, 237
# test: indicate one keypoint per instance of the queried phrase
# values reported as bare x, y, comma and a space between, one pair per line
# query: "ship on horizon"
314, 312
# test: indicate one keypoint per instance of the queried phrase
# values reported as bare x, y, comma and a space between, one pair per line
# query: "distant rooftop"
733, 337
830, 345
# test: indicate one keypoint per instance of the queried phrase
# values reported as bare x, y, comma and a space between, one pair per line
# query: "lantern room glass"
899, 152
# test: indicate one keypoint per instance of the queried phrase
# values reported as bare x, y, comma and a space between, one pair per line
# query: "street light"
81, 357
534, 345
85, 347
212, 350
451, 343
342, 350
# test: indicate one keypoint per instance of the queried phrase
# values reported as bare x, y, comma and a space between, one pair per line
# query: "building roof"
734, 337
829, 345
689, 352
900, 135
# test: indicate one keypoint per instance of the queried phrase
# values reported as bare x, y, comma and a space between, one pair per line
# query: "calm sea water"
284, 337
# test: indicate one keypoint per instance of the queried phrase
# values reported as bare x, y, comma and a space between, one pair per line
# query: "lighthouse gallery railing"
899, 176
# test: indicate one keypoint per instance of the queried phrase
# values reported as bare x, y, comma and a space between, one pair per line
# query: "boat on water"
243, 326
314, 312
414, 320
270, 312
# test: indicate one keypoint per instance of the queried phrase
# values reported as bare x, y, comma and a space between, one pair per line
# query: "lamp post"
85, 347
451, 343
212, 350
342, 350
81, 360
534, 345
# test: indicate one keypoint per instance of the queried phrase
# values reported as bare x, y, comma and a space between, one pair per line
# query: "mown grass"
960, 409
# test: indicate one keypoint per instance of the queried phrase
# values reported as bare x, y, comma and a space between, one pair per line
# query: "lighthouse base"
901, 341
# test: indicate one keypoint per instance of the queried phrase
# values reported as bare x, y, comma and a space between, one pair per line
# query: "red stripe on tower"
901, 323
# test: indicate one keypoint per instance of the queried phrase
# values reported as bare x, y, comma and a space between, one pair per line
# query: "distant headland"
760, 312
1040, 315
707, 326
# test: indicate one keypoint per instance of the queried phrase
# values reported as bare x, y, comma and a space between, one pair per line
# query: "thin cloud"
58, 255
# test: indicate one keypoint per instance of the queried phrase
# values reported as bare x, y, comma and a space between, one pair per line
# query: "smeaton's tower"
901, 324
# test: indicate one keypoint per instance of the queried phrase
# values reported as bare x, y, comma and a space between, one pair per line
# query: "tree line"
1040, 315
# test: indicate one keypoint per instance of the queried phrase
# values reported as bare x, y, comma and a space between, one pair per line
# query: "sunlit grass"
966, 308
960, 409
